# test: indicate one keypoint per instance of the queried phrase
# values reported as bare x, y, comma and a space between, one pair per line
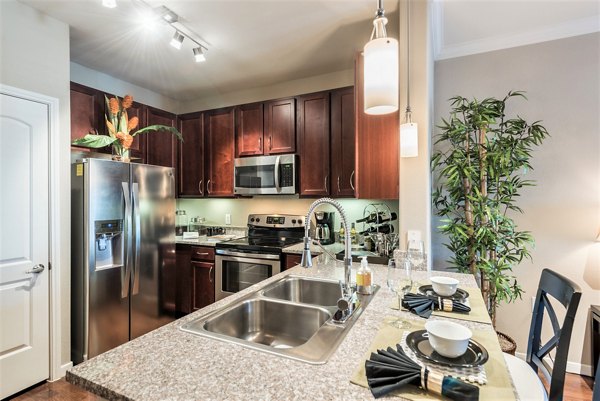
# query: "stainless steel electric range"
243, 262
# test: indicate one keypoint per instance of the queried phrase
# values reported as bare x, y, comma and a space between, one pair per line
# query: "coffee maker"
324, 231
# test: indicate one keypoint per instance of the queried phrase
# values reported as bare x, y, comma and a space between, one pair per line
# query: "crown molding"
564, 30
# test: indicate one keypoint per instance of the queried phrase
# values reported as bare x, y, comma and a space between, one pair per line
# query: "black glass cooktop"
262, 244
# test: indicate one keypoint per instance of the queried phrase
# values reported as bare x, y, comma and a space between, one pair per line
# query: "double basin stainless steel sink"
291, 317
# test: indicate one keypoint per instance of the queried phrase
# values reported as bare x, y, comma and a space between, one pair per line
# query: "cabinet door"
313, 142
249, 130
219, 151
183, 298
203, 284
377, 148
342, 142
160, 145
190, 163
86, 111
138, 147
292, 260
280, 122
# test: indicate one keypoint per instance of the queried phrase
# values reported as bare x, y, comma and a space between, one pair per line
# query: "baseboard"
572, 367
63, 371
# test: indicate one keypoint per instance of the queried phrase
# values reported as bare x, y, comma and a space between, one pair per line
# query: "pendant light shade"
381, 76
409, 140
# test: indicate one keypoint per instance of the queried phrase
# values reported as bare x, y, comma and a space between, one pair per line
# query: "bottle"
353, 235
364, 278
342, 234
378, 218
384, 229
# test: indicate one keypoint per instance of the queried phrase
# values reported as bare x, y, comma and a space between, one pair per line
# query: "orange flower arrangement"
119, 128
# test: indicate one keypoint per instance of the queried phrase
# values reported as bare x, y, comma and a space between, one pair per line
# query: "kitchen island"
169, 364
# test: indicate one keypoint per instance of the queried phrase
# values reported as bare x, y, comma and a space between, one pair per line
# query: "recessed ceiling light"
199, 55
109, 3
177, 40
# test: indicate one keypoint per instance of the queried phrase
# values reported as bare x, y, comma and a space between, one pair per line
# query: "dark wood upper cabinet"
342, 142
87, 111
138, 147
377, 148
249, 130
219, 151
313, 143
160, 145
190, 161
280, 127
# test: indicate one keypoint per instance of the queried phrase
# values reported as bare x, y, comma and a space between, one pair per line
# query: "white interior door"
24, 204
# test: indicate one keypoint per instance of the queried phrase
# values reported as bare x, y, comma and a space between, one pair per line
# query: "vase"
120, 154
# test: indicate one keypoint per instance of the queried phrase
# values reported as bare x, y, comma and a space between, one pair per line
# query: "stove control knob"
300, 221
252, 220
293, 221
258, 219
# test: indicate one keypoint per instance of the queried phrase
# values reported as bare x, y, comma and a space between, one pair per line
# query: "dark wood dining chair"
596, 390
524, 373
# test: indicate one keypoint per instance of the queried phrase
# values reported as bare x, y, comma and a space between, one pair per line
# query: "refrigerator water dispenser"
109, 244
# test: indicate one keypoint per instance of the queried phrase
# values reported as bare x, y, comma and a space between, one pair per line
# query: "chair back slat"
568, 294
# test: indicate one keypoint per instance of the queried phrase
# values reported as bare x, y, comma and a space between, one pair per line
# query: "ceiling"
251, 43
256, 43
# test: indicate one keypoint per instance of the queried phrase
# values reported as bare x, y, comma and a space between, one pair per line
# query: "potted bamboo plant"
479, 169
121, 129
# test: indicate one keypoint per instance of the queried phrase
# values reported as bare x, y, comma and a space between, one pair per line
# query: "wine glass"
399, 281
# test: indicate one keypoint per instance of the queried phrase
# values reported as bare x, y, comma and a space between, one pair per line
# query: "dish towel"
390, 370
423, 305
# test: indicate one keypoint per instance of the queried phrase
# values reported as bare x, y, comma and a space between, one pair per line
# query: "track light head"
199, 55
166, 14
177, 40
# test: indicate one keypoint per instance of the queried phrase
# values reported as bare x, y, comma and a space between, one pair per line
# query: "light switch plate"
413, 235
227, 218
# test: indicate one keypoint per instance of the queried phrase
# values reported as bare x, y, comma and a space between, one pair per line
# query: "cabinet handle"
270, 143
351, 180
202, 253
208, 187
338, 181
260, 144
210, 274
326, 183
200, 187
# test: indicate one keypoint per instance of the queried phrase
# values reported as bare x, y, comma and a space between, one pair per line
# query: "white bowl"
445, 286
447, 338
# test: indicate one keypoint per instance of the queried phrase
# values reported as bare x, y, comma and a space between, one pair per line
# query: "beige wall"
288, 88
563, 211
35, 57
415, 182
99, 80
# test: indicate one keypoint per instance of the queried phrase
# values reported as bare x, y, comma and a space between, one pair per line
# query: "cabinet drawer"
203, 253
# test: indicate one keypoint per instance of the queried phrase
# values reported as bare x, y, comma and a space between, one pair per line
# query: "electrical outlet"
228, 218
413, 235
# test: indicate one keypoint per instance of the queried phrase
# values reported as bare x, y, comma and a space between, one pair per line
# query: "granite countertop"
169, 364
314, 249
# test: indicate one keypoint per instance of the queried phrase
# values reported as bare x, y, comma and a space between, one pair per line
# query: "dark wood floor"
577, 388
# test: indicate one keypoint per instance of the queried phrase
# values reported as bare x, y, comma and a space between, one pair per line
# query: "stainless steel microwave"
265, 175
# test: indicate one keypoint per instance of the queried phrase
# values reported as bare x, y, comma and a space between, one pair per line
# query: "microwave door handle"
277, 187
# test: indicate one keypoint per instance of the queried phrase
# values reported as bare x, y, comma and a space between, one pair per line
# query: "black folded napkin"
423, 305
390, 370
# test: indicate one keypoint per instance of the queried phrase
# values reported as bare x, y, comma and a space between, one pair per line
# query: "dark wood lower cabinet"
291, 260
203, 284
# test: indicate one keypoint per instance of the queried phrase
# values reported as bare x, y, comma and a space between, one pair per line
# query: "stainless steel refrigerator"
122, 253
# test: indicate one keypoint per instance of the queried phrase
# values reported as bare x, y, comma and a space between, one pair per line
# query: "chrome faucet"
347, 302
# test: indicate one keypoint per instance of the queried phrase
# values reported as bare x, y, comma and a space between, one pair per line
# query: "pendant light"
380, 68
409, 135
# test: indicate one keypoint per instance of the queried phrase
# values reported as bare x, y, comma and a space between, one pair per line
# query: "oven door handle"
277, 161
248, 255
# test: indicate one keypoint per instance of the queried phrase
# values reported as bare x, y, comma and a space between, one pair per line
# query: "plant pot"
120, 154
507, 344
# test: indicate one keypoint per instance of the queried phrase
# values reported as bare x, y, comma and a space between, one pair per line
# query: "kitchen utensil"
444, 286
448, 339
475, 355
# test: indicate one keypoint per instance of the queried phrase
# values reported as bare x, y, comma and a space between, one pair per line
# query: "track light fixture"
199, 54
109, 3
166, 14
177, 40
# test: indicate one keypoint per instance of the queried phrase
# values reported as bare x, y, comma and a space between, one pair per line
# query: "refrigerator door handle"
137, 239
126, 272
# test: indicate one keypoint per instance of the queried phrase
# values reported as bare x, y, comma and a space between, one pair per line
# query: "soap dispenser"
364, 278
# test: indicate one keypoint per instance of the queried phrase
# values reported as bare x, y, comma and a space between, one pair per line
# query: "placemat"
498, 388
478, 310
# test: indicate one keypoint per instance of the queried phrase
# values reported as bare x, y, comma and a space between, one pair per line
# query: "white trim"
57, 370
572, 367
566, 29
61, 372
